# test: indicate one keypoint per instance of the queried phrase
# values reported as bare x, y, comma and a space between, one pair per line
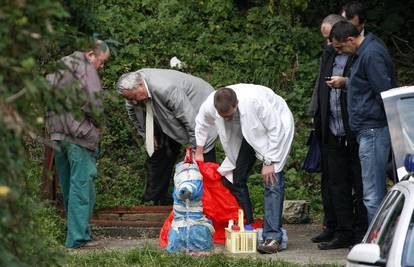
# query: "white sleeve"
205, 122
272, 122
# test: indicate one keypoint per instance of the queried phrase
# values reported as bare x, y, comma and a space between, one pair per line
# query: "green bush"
28, 41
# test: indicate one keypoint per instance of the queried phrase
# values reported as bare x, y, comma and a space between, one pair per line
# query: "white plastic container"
284, 243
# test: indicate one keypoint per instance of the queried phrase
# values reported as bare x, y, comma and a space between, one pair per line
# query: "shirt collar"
146, 87
364, 44
240, 112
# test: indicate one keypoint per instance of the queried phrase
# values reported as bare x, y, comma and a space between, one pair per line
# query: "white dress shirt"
266, 122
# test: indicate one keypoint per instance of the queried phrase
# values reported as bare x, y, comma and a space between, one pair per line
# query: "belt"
338, 139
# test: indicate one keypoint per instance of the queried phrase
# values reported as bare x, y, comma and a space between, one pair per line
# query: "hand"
199, 154
336, 82
268, 174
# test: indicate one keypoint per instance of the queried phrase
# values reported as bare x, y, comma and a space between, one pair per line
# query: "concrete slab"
300, 249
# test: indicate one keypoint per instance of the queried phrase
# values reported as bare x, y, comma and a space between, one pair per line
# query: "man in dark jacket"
372, 73
76, 139
339, 147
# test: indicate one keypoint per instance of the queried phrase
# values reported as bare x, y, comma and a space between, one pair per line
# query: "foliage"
275, 43
390, 20
28, 40
148, 256
49, 220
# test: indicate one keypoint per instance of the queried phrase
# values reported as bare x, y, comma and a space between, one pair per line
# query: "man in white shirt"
252, 122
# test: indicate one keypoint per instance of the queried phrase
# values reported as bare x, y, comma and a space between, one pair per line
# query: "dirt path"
300, 249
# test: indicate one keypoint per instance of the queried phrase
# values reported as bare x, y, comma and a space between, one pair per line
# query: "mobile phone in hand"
328, 78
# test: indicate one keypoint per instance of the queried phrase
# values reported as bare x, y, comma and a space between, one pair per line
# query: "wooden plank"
136, 209
127, 223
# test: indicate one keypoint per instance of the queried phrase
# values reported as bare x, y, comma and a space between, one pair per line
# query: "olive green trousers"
76, 167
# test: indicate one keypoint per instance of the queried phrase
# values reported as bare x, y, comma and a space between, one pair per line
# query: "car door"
390, 229
408, 251
399, 108
383, 229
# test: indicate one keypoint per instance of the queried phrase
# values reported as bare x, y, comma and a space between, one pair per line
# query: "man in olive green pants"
76, 140
76, 167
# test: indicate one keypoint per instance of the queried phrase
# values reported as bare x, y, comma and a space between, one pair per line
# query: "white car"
389, 240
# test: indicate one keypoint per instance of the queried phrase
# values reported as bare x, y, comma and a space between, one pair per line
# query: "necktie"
149, 128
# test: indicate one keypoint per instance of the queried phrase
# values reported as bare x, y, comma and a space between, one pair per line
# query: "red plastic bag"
219, 205
165, 229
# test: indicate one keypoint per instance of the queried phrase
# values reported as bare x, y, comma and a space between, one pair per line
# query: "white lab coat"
266, 122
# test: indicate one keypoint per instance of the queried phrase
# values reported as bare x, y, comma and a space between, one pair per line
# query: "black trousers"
160, 167
329, 218
345, 186
245, 160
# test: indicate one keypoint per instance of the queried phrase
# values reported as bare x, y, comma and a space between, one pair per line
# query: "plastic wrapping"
190, 230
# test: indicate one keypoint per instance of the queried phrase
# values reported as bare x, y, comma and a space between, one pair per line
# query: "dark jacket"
372, 73
321, 118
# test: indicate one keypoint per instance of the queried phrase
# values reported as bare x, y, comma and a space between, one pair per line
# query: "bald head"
100, 46
98, 53
328, 22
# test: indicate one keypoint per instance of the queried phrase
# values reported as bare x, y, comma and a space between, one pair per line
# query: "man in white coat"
252, 122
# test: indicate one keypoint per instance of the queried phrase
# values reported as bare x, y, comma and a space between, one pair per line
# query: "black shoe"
326, 235
336, 243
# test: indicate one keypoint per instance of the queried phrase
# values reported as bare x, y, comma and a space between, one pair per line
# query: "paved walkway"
300, 249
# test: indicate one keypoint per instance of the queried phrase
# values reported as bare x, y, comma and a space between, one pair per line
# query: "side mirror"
368, 254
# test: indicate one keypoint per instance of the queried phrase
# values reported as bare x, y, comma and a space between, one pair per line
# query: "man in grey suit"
162, 104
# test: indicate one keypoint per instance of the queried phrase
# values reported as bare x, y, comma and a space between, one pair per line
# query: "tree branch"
17, 95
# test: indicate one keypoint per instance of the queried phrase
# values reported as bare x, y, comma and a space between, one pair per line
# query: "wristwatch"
267, 162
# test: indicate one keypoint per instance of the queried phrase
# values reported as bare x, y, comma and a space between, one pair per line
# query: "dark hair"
355, 8
224, 99
342, 30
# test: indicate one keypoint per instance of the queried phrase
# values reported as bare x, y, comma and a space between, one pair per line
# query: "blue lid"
409, 163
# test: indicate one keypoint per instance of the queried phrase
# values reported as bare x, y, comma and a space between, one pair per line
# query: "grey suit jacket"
176, 98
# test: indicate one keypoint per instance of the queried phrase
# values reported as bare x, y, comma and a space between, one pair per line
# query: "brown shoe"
269, 247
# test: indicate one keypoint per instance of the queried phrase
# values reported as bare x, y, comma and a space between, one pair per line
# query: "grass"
147, 256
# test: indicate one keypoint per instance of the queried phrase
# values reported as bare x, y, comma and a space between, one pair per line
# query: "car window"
381, 219
405, 109
387, 230
408, 255
400, 117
